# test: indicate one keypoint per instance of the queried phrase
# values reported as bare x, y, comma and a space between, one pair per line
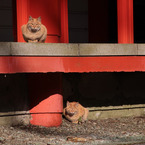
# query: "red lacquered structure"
54, 13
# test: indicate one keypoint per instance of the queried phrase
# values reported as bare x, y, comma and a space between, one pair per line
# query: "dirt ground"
121, 131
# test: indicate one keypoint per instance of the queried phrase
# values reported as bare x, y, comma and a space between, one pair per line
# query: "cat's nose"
71, 114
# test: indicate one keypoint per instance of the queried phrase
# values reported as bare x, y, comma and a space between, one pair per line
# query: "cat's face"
72, 108
34, 25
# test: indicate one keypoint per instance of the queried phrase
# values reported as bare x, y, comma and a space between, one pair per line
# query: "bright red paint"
54, 14
125, 21
22, 17
46, 99
72, 64
41, 88
64, 22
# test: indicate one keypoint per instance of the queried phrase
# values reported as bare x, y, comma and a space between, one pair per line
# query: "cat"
34, 30
74, 111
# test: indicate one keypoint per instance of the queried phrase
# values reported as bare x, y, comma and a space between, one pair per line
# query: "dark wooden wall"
139, 21
78, 21
6, 21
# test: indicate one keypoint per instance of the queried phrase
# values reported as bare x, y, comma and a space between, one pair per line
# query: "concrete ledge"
5, 48
108, 49
62, 49
116, 111
141, 49
15, 118
44, 49
24, 117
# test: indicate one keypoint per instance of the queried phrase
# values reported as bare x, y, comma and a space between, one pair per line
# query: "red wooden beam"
125, 21
72, 64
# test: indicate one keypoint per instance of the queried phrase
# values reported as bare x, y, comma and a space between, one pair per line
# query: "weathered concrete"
15, 118
44, 49
141, 49
74, 49
5, 48
116, 111
107, 49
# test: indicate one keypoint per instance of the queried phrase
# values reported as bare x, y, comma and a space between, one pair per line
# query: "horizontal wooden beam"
71, 64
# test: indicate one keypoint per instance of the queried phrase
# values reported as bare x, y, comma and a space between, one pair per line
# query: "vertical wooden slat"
125, 21
64, 21
22, 17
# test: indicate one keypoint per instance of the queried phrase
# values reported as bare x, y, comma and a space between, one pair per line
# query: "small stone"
2, 140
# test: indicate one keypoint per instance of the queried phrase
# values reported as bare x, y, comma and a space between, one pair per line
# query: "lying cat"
34, 30
75, 111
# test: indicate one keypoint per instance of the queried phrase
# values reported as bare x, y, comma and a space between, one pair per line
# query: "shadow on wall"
22, 92
38, 94
43, 85
104, 89
13, 92
90, 89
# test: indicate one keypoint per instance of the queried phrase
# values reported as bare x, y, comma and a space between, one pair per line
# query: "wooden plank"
72, 64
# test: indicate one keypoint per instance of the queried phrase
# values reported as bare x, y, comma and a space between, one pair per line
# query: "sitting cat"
75, 111
34, 30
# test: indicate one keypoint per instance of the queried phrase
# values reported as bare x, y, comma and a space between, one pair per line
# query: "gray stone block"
44, 49
63, 49
141, 49
15, 118
107, 49
5, 48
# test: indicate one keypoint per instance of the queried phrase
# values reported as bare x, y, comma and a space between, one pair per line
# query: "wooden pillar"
22, 17
125, 21
64, 22
60, 26
46, 104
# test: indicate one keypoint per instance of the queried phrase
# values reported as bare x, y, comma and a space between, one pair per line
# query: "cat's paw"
33, 41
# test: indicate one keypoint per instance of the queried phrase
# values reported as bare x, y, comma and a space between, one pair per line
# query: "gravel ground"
126, 131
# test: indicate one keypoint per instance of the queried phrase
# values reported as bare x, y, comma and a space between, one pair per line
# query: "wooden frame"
23, 8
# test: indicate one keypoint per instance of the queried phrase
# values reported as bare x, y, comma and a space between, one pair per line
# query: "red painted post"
125, 21
45, 95
22, 17
54, 13
64, 21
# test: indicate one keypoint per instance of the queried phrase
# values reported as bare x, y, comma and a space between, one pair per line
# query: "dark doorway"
92, 21
78, 21
102, 18
139, 21
6, 23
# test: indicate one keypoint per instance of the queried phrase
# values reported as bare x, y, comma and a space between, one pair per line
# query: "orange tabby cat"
34, 30
75, 111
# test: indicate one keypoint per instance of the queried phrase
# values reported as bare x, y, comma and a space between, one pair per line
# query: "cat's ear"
39, 19
77, 104
67, 103
30, 18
